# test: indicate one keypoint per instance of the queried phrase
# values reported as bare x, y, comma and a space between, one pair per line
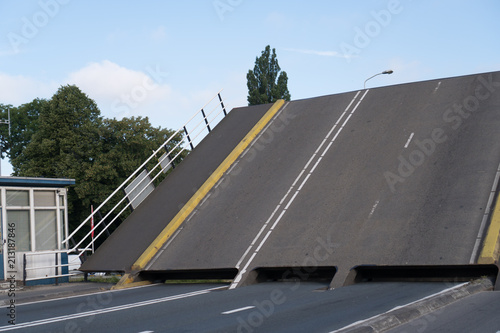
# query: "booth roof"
36, 182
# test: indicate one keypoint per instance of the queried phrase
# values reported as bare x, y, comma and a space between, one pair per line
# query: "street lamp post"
7, 122
389, 71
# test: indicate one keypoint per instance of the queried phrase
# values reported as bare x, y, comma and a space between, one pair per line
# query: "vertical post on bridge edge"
206, 120
222, 104
189, 139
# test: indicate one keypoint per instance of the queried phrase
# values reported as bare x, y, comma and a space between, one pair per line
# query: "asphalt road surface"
268, 307
477, 313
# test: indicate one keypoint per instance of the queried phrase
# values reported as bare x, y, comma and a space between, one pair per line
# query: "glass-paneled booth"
34, 222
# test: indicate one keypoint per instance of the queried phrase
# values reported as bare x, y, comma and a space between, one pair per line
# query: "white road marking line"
237, 279
373, 208
409, 140
486, 217
437, 87
398, 307
238, 310
105, 310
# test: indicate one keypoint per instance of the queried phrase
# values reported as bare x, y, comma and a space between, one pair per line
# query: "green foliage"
66, 137
266, 84
23, 122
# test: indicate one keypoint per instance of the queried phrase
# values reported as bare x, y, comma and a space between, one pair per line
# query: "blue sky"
183, 52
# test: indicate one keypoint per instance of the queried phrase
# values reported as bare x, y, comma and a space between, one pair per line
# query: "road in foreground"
477, 313
270, 307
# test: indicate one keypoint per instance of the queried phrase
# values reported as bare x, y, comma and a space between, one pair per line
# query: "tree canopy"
267, 83
66, 137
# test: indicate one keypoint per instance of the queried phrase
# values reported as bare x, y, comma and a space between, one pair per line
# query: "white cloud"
18, 89
318, 53
119, 92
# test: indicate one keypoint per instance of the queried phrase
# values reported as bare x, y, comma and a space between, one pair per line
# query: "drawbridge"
401, 177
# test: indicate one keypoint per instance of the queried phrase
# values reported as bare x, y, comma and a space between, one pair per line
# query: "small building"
34, 222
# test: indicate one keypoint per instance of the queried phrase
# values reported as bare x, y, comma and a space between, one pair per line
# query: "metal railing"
58, 266
195, 134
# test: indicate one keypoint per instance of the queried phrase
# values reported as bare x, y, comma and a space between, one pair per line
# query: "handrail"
182, 145
56, 266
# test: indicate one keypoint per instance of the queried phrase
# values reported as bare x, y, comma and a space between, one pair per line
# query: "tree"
23, 123
66, 137
267, 83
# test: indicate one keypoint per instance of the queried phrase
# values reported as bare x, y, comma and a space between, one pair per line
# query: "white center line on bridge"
409, 140
342, 124
373, 208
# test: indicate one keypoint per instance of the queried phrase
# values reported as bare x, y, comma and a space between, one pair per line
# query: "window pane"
17, 198
21, 219
45, 199
45, 230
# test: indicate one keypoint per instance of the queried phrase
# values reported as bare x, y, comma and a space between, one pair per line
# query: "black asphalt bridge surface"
399, 175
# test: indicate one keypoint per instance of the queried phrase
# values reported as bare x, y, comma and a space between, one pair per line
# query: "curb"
491, 248
405, 314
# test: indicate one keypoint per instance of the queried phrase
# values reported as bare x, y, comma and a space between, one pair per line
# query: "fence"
32, 272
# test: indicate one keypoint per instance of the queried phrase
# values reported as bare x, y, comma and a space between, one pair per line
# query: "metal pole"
57, 269
389, 71
24, 269
189, 139
169, 158
222, 104
206, 120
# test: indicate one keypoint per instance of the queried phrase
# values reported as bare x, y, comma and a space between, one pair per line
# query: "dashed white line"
238, 310
373, 208
409, 140
437, 87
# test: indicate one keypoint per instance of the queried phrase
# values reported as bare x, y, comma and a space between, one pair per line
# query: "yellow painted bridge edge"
170, 229
491, 248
